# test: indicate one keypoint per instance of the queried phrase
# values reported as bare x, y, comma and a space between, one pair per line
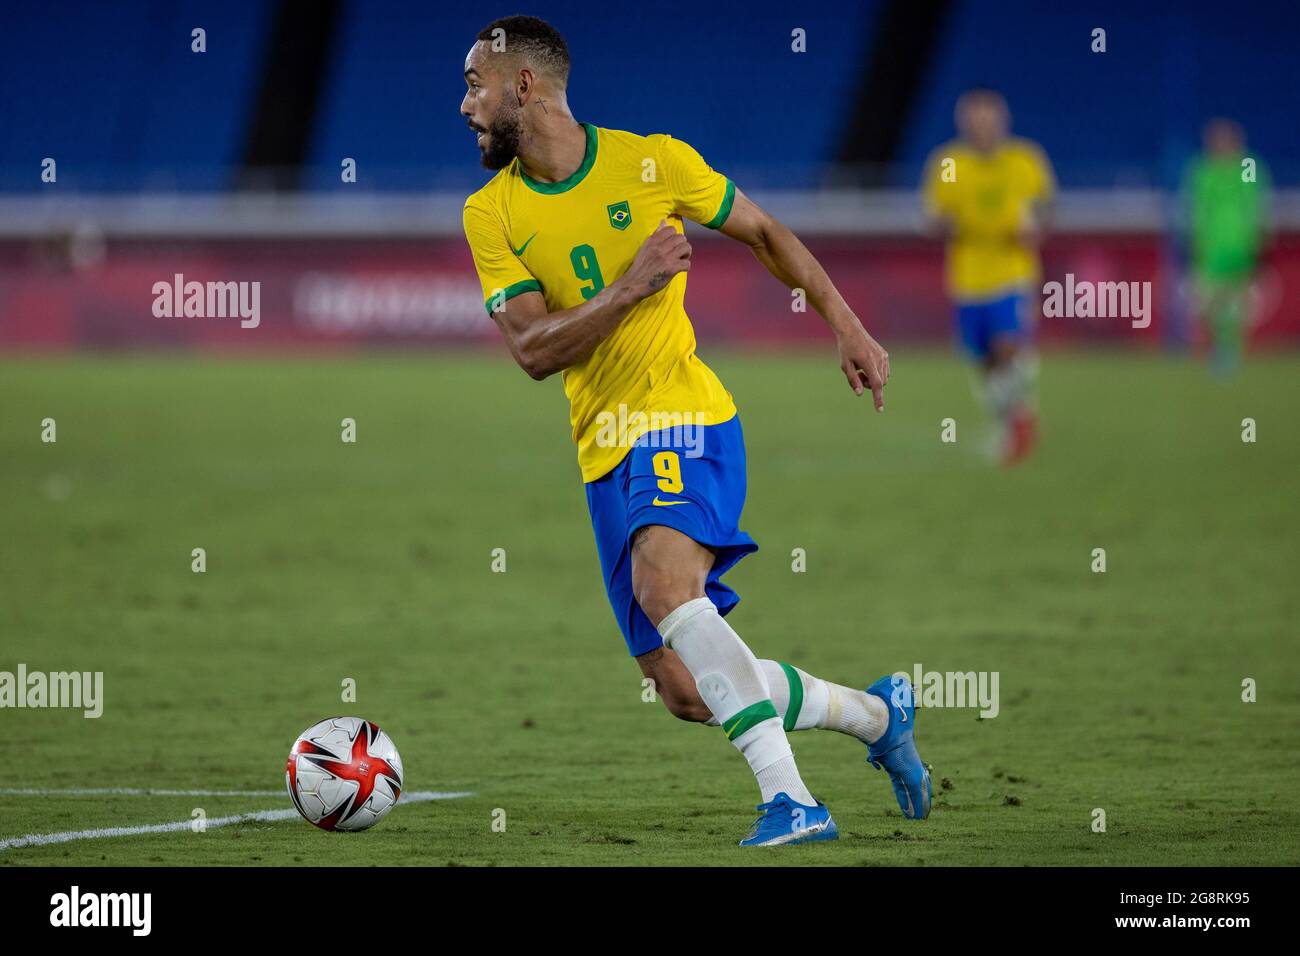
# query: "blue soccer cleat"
895, 752
783, 822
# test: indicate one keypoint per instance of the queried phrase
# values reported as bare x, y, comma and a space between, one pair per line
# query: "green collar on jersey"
564, 185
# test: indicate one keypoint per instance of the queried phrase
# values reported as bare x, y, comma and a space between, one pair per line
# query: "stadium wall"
381, 280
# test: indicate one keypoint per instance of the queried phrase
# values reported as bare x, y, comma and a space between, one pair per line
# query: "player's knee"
662, 580
1003, 351
661, 592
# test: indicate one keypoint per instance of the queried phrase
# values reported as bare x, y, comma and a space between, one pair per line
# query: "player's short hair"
535, 40
982, 94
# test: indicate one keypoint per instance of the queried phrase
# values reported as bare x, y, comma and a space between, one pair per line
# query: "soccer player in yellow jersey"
580, 248
988, 194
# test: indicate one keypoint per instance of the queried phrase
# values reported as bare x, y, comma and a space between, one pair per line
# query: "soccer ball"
344, 774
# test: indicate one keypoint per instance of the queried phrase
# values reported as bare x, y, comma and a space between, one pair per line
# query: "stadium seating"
137, 110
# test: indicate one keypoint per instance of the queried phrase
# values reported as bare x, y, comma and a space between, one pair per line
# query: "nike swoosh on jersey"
520, 250
666, 503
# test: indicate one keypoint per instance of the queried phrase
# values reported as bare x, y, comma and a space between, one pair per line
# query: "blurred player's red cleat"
1022, 436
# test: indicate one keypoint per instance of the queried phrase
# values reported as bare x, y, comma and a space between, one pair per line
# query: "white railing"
430, 215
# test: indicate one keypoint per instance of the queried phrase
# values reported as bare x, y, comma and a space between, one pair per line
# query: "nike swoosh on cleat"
808, 831
520, 250
664, 504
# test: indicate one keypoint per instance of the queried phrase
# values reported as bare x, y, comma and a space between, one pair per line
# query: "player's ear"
523, 85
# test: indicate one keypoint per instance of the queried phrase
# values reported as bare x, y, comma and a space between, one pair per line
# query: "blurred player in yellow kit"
987, 194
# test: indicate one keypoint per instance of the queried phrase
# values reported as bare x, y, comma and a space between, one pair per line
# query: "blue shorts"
690, 479
979, 323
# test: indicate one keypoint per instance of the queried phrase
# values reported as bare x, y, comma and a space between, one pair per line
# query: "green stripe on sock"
796, 695
748, 718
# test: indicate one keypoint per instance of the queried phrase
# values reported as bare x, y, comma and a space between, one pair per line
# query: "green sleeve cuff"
510, 291
725, 210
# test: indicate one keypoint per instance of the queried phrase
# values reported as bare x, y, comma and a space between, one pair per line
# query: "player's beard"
503, 139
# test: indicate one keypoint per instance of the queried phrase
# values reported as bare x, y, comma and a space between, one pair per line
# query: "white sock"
804, 702
1003, 388
783, 777
733, 686
1010, 388
856, 713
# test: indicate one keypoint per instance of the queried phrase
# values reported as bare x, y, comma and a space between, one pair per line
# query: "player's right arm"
545, 342
939, 222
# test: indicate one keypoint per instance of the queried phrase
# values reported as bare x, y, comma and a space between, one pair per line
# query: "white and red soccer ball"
344, 774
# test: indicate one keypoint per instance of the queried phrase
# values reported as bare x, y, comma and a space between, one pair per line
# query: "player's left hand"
864, 360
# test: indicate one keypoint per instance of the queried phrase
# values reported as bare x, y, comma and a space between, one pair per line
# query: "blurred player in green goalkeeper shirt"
1227, 197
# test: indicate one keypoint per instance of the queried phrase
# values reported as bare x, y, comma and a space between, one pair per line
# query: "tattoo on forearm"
659, 280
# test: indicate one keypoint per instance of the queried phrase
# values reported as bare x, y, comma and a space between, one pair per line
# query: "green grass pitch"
372, 561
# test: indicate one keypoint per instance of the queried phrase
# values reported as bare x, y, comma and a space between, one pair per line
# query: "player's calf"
674, 685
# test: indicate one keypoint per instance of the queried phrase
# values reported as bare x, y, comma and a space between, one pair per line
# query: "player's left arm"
1266, 223
1042, 195
862, 358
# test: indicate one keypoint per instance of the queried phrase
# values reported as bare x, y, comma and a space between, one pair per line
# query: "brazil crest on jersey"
570, 239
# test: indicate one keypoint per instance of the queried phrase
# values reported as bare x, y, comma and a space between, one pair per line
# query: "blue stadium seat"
113, 93
1131, 115
731, 86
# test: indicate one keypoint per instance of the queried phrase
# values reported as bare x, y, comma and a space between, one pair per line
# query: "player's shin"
805, 702
1009, 386
734, 687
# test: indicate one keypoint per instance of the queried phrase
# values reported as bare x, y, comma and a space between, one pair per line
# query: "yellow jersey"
570, 239
988, 198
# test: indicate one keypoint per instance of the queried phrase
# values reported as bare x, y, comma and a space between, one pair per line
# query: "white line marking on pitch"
132, 792
261, 816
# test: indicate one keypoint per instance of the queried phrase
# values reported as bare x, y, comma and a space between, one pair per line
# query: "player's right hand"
664, 254
863, 359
